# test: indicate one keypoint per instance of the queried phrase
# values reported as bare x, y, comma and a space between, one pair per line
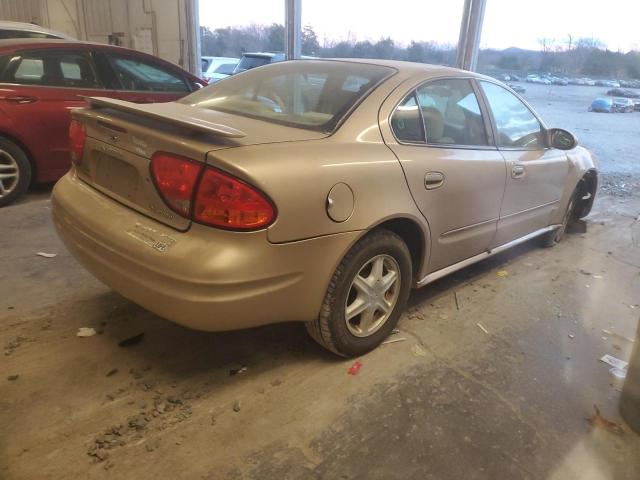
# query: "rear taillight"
175, 178
227, 202
219, 199
77, 139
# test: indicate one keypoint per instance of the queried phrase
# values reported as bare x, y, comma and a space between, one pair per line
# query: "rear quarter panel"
298, 177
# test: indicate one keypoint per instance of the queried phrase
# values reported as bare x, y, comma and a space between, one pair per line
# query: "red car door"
141, 78
39, 89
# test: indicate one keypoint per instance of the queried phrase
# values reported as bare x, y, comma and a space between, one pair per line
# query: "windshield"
311, 94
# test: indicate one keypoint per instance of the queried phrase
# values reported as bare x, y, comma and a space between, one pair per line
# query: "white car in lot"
217, 68
28, 30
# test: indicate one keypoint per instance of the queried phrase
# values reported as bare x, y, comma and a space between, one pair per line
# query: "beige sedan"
319, 191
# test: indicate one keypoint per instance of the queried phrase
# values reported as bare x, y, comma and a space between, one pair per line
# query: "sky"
508, 23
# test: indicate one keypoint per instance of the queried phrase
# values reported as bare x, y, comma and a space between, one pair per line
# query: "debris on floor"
14, 343
86, 332
237, 371
152, 445
12, 378
617, 335
394, 340
355, 368
111, 372
597, 420
619, 373
614, 362
455, 296
128, 342
418, 351
481, 327
47, 255
236, 406
502, 273
572, 336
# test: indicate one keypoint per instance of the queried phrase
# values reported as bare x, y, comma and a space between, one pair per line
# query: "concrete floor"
450, 401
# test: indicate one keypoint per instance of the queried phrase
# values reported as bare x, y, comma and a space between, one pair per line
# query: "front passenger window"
516, 126
139, 75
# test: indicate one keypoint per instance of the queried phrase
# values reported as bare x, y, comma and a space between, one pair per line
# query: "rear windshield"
249, 62
311, 94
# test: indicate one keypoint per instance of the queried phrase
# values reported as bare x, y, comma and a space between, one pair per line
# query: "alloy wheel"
372, 296
9, 173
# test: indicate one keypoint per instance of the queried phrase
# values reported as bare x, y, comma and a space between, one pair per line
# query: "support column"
193, 37
292, 29
470, 33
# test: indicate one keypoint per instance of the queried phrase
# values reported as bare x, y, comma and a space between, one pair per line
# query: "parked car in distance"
623, 92
608, 83
217, 68
517, 88
28, 30
602, 105
318, 191
542, 80
258, 59
42, 80
623, 105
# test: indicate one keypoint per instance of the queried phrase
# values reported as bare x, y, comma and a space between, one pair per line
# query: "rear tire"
15, 172
554, 237
366, 296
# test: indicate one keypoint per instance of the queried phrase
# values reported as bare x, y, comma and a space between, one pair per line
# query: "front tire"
15, 172
366, 296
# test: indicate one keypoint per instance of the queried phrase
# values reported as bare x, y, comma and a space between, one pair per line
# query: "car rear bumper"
204, 278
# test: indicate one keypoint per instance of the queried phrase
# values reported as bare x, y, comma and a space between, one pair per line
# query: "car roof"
30, 27
16, 44
416, 68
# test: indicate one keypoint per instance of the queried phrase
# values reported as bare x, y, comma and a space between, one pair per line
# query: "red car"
41, 80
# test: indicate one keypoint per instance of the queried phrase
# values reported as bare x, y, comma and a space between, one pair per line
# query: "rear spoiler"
168, 113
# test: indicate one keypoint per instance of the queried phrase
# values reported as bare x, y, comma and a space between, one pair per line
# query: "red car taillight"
220, 200
77, 139
227, 202
175, 178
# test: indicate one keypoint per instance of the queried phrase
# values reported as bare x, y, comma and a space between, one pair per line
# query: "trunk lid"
122, 137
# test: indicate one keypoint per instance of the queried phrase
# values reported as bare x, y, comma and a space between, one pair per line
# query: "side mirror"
562, 139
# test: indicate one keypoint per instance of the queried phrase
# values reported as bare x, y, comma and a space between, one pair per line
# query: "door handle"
518, 171
21, 99
433, 180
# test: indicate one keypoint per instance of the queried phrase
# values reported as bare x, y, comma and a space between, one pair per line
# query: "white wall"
159, 27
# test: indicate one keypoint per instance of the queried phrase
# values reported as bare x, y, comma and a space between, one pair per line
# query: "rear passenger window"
138, 75
30, 70
451, 113
406, 121
50, 68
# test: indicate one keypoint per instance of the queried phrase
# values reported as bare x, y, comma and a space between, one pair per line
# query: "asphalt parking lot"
494, 374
